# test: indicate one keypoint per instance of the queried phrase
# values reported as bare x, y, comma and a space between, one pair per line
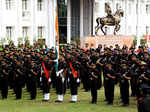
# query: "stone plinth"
108, 40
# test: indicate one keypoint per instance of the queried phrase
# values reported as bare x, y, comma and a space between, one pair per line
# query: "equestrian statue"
109, 20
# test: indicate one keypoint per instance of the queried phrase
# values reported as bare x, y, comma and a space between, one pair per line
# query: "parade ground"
83, 105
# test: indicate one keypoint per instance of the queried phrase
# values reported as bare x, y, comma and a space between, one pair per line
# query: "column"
33, 21
126, 11
94, 17
0, 18
18, 27
69, 21
2, 15
81, 19
50, 28
137, 27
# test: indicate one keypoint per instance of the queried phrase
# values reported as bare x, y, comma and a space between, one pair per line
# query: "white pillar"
137, 27
81, 19
69, 21
50, 27
32, 32
0, 18
126, 11
2, 15
48, 31
94, 17
18, 27
55, 8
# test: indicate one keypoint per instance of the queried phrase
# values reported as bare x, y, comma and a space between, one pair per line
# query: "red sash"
75, 75
46, 72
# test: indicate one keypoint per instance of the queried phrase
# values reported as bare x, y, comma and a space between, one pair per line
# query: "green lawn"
25, 105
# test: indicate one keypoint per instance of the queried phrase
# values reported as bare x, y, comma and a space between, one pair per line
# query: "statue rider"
108, 10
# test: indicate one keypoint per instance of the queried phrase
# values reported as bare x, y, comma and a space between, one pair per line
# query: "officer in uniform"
109, 83
45, 79
134, 65
33, 80
18, 79
143, 76
61, 79
94, 82
84, 71
124, 76
4, 80
144, 100
73, 77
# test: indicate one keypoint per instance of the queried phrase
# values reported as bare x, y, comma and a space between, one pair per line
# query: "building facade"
30, 19
34, 19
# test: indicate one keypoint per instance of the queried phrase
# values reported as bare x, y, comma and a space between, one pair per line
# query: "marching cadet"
94, 82
109, 83
4, 80
33, 80
144, 100
45, 72
143, 76
124, 76
144, 71
134, 65
73, 78
18, 79
84, 72
61, 79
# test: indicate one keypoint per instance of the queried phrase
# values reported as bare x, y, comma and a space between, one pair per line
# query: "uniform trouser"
4, 88
33, 89
18, 91
133, 86
73, 87
60, 86
109, 89
28, 84
124, 90
105, 90
18, 87
85, 80
94, 83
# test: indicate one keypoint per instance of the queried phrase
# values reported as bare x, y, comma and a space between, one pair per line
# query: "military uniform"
46, 81
61, 81
109, 83
18, 80
73, 80
84, 73
134, 76
4, 80
124, 84
94, 74
144, 100
33, 80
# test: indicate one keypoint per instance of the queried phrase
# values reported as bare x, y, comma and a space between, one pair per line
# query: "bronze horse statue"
110, 21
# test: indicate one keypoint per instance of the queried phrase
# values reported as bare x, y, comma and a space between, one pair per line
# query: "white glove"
49, 80
68, 80
57, 74
63, 79
40, 79
78, 80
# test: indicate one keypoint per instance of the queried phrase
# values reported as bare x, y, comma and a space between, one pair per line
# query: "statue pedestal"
108, 40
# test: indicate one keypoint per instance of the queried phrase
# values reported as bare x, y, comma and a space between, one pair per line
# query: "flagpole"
57, 39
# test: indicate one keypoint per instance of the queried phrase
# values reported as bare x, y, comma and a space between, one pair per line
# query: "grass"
26, 105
